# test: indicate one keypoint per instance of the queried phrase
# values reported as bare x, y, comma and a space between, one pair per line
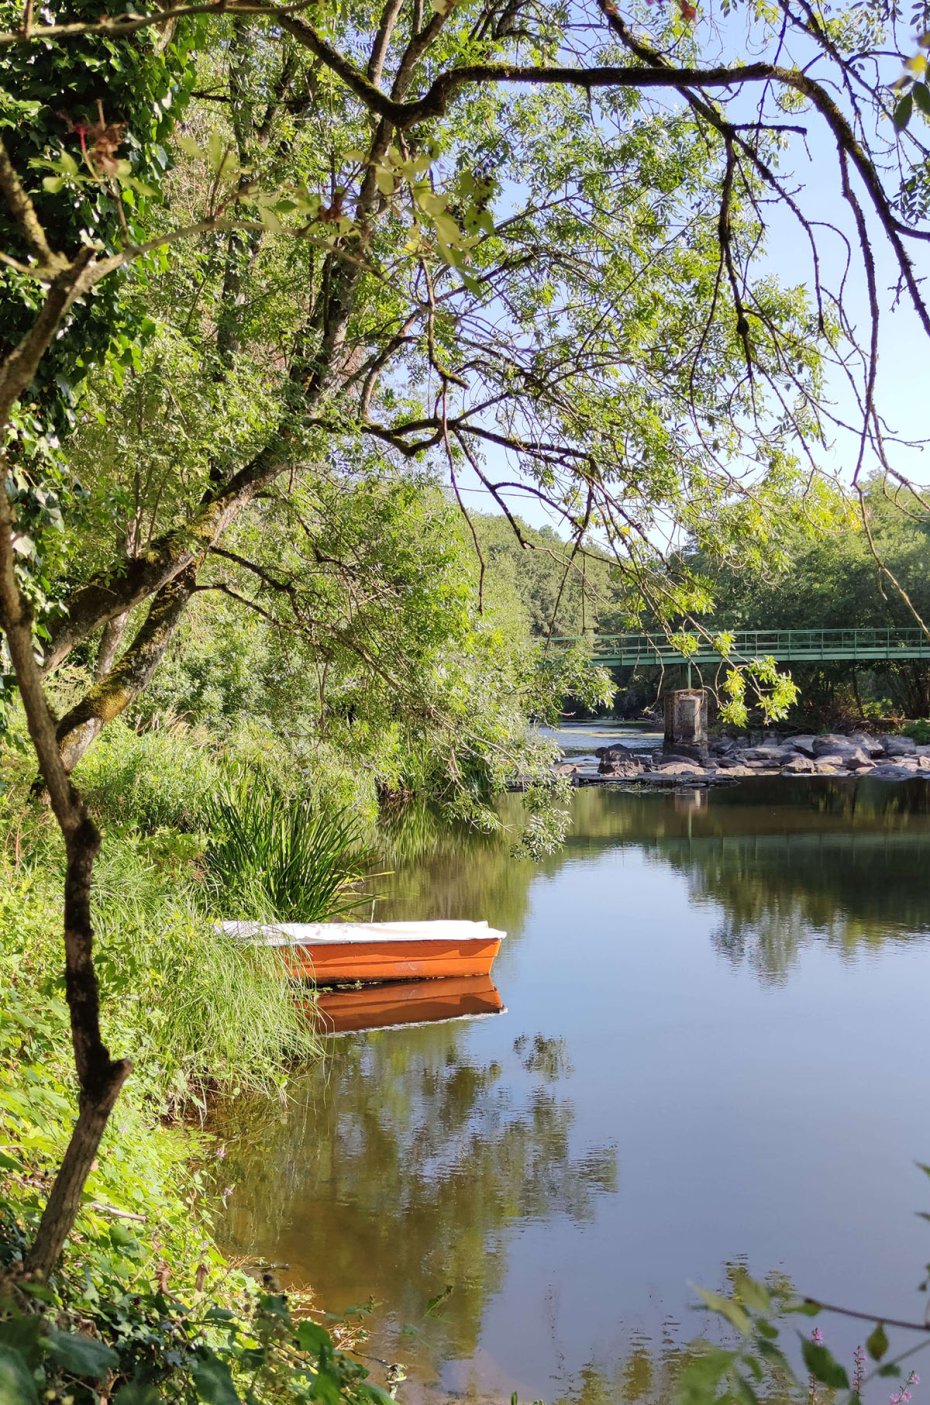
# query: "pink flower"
817, 1336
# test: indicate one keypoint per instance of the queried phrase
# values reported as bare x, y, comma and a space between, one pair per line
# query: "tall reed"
274, 858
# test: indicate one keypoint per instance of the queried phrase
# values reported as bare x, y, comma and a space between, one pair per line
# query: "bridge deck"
784, 645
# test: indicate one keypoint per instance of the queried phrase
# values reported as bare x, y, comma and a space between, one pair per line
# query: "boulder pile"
727, 758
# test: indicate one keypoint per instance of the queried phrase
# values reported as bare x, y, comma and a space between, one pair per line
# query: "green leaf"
702, 1376
823, 1365
877, 1343
138, 1393
745, 1391
22, 1334
312, 1337
17, 1386
754, 1295
213, 1382
732, 1311
773, 1354
921, 95
122, 1238
80, 1354
902, 113
889, 1370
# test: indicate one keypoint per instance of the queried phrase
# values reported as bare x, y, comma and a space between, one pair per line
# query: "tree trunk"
113, 693
99, 1077
110, 641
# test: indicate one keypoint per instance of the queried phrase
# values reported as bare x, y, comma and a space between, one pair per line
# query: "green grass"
275, 858
192, 1007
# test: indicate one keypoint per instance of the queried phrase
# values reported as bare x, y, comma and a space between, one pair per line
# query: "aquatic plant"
275, 858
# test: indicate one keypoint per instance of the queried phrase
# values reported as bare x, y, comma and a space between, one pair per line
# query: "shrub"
191, 1006
157, 778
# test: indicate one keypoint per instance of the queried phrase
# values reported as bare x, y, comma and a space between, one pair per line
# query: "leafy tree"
869, 573
467, 236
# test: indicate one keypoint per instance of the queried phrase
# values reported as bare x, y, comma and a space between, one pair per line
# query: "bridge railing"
785, 645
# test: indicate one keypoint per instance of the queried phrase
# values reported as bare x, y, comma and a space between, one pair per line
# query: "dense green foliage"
83, 107
850, 577
399, 685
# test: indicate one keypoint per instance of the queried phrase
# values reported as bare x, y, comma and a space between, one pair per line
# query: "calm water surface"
713, 1053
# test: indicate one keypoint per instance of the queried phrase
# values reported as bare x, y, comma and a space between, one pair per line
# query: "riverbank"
729, 759
142, 1307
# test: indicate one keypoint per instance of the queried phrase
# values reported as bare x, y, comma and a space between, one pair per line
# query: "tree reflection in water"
424, 1159
789, 861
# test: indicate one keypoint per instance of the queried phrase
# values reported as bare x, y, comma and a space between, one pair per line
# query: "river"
713, 1054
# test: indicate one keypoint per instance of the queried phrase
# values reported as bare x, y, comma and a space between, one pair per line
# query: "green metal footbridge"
739, 646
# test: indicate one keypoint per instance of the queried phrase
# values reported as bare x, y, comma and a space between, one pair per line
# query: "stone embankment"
728, 759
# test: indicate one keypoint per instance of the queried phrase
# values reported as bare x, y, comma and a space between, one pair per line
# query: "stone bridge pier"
686, 719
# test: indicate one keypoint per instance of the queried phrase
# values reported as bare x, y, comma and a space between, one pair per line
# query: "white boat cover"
342, 933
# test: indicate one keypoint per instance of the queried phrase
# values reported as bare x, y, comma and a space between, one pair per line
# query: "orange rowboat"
407, 1003
334, 952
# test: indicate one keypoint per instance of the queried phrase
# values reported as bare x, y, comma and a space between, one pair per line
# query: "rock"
889, 772
767, 752
800, 766
679, 768
803, 744
829, 765
618, 760
900, 746
832, 745
871, 745
727, 746
565, 768
859, 760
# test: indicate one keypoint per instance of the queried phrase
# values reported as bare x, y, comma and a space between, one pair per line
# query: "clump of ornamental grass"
276, 858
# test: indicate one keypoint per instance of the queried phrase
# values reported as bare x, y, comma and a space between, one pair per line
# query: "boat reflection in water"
397, 1003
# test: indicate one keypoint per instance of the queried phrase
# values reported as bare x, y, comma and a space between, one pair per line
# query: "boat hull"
329, 963
407, 1003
